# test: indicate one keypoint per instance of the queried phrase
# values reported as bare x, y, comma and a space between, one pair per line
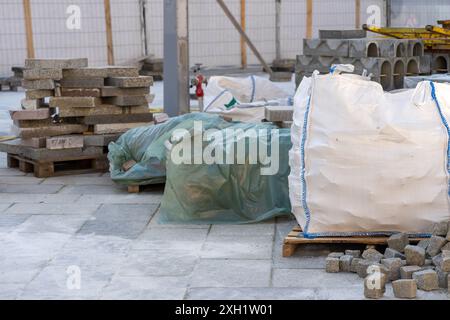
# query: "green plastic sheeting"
145, 145
228, 193
231, 191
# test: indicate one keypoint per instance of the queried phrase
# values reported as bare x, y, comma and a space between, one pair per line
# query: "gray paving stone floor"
82, 237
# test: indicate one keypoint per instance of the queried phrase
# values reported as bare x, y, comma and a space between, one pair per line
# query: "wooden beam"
277, 29
109, 37
243, 26
244, 35
358, 14
309, 19
28, 28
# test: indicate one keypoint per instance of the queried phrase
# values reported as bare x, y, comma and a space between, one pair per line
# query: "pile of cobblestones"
424, 266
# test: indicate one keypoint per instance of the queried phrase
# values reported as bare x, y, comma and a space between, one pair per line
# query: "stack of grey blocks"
387, 60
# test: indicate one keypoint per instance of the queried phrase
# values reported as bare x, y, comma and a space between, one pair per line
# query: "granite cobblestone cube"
415, 255
393, 265
372, 255
345, 263
435, 245
406, 272
427, 280
332, 265
405, 288
398, 241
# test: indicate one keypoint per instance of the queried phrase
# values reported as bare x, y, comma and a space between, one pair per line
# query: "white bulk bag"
368, 162
242, 99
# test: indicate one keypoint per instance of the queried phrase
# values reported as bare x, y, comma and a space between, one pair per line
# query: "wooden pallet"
57, 168
295, 239
133, 188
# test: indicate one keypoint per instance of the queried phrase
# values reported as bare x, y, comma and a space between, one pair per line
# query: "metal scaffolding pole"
176, 57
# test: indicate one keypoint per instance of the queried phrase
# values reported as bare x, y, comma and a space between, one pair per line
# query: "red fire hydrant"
198, 82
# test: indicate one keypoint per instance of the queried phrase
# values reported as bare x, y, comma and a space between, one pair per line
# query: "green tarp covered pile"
215, 171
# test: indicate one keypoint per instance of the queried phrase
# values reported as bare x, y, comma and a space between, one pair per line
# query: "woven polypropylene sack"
368, 162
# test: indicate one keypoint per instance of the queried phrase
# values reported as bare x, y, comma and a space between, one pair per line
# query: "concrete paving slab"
30, 188
18, 274
171, 234
120, 220
310, 278
297, 261
80, 180
146, 288
21, 180
129, 198
10, 291
21, 267
231, 273
9, 222
243, 230
52, 223
303, 258
4, 206
284, 225
126, 212
156, 223
92, 189
344, 293
7, 172
118, 228
25, 245
53, 208
234, 247
158, 263
32, 198
106, 253
267, 293
101, 243
56, 282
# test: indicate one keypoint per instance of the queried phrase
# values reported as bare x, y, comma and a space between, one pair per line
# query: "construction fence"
121, 31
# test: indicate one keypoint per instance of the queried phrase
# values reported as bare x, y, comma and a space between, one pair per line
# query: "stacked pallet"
71, 112
152, 67
12, 82
387, 60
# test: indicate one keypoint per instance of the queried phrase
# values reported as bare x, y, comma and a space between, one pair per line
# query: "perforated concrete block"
363, 48
393, 48
386, 48
412, 66
312, 63
398, 73
326, 47
380, 68
415, 48
425, 64
440, 63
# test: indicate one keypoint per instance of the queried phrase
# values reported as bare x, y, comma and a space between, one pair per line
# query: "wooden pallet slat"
57, 168
133, 188
295, 239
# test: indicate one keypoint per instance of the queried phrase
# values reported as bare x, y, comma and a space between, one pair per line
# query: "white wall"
418, 13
